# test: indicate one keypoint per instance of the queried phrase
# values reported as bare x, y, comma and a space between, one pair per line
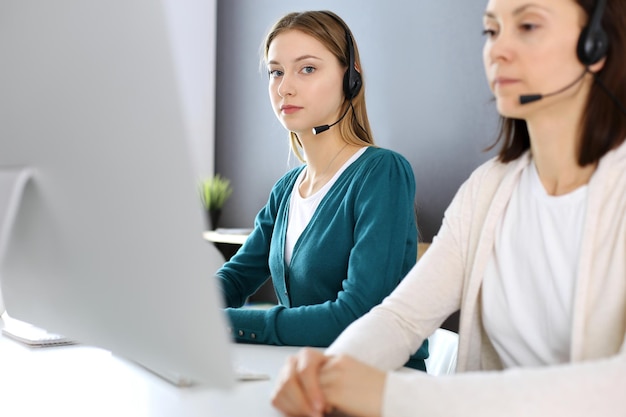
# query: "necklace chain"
308, 177
333, 160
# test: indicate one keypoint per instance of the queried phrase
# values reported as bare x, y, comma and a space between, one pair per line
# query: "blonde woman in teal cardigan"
338, 233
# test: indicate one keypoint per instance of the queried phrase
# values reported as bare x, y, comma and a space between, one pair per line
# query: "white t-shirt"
530, 280
301, 209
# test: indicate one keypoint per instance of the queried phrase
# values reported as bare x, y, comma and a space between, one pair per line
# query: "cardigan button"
240, 333
252, 335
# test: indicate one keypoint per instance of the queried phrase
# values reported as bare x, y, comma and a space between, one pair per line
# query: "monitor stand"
13, 180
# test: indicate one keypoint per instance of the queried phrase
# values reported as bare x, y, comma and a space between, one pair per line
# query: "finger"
309, 366
289, 396
352, 386
332, 380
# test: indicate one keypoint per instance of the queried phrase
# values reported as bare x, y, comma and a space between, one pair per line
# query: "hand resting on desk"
313, 384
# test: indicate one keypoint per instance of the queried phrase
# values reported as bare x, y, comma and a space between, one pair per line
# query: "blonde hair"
330, 30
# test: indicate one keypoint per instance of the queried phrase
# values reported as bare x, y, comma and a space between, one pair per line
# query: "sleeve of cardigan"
248, 269
383, 245
592, 388
424, 299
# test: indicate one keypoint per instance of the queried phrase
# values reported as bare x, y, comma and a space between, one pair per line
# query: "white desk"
85, 381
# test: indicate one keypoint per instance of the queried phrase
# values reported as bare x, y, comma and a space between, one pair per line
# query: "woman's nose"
286, 87
498, 47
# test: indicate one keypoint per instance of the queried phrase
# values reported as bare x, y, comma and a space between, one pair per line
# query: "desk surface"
86, 381
227, 237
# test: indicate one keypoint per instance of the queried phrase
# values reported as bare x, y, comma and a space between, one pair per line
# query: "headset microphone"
323, 128
530, 98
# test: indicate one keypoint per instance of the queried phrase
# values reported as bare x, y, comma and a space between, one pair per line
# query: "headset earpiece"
352, 81
593, 42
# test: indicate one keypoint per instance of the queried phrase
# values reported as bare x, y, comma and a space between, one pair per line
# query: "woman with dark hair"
338, 233
532, 249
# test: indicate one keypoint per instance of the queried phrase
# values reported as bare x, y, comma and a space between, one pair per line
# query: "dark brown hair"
603, 125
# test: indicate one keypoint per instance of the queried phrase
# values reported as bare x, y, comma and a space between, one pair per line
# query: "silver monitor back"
106, 246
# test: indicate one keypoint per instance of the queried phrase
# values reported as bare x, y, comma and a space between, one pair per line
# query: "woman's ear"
597, 67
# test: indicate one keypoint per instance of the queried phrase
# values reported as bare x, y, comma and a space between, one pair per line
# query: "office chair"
442, 345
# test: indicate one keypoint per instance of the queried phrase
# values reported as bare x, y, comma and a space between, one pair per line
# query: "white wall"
192, 25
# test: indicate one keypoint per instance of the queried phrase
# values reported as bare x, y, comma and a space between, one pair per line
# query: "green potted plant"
214, 191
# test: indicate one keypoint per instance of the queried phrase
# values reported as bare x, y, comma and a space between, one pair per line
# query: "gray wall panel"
425, 87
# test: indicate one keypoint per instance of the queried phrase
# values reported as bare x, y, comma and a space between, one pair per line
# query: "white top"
301, 209
529, 284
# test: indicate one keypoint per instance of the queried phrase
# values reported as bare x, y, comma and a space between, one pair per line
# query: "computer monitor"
105, 245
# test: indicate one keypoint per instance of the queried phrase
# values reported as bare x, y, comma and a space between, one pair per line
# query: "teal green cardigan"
359, 244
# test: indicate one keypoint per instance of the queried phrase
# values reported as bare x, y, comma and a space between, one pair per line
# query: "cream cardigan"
449, 277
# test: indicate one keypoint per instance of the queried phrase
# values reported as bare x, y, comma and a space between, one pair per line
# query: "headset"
593, 45
593, 42
352, 81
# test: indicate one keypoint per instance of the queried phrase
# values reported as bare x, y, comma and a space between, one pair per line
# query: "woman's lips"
289, 109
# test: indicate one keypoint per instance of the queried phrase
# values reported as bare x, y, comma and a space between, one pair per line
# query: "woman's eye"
275, 73
528, 27
308, 70
490, 33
